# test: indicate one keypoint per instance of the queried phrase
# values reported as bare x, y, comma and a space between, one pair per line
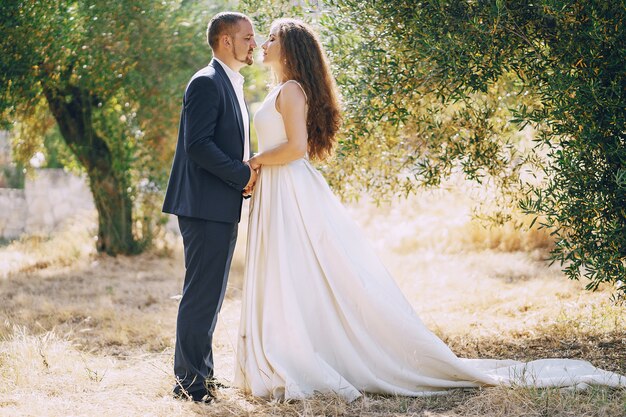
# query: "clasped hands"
255, 167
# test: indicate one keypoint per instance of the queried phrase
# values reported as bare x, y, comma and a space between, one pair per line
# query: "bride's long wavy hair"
305, 61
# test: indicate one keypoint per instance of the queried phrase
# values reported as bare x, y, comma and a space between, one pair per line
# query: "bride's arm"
291, 104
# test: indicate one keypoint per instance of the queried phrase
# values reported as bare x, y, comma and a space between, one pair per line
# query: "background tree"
434, 87
105, 79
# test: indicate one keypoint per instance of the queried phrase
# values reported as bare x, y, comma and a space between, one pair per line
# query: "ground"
84, 334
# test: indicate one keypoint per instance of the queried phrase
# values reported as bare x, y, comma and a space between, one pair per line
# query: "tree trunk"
115, 231
71, 108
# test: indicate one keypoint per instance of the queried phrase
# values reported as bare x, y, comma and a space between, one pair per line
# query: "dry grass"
73, 244
86, 335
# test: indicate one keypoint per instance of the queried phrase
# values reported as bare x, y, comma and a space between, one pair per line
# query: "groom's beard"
248, 59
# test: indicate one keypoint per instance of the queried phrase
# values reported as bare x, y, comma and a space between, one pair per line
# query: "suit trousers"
209, 248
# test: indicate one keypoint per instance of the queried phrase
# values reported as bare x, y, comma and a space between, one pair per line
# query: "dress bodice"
268, 122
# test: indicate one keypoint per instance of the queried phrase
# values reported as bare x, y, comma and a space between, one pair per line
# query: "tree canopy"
108, 76
435, 87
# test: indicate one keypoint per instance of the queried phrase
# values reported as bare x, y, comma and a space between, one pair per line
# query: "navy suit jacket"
208, 174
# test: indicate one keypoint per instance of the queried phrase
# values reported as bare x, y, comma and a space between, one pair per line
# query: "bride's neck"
279, 75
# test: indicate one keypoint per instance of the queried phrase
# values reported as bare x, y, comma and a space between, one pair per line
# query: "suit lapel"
232, 94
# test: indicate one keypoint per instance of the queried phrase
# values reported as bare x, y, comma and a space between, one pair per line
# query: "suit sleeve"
201, 115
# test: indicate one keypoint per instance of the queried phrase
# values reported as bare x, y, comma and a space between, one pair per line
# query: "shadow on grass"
108, 305
4, 241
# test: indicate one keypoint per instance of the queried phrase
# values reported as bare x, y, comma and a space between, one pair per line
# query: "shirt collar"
235, 78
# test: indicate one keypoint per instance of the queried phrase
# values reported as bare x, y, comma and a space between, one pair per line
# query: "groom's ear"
225, 40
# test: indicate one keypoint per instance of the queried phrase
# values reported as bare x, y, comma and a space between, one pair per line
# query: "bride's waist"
291, 164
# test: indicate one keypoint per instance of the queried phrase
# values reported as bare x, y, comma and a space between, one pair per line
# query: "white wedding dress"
321, 314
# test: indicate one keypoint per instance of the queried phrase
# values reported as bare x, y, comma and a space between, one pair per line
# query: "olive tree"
436, 87
108, 78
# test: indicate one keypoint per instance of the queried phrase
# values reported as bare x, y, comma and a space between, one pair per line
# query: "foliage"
432, 88
12, 176
107, 77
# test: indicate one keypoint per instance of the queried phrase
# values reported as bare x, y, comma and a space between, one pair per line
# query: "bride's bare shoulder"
291, 95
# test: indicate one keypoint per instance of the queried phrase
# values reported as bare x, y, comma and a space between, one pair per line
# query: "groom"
205, 191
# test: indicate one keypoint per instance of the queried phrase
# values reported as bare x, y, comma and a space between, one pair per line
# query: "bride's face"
271, 49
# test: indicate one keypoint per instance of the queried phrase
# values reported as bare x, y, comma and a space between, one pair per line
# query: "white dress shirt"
237, 80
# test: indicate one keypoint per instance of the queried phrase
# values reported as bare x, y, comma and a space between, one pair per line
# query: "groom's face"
244, 43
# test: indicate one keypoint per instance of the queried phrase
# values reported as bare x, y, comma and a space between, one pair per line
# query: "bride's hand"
254, 163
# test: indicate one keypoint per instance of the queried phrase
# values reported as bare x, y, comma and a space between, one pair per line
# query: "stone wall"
49, 199
12, 213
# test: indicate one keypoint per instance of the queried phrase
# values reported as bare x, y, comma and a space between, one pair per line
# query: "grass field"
85, 335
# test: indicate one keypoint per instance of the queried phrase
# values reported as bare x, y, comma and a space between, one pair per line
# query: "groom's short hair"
224, 22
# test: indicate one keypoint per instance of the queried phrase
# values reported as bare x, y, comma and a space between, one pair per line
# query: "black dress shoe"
207, 399
200, 396
213, 385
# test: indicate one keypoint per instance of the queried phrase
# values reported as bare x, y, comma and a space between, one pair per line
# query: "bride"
320, 313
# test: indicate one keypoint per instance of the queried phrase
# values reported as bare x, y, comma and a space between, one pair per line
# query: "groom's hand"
247, 191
